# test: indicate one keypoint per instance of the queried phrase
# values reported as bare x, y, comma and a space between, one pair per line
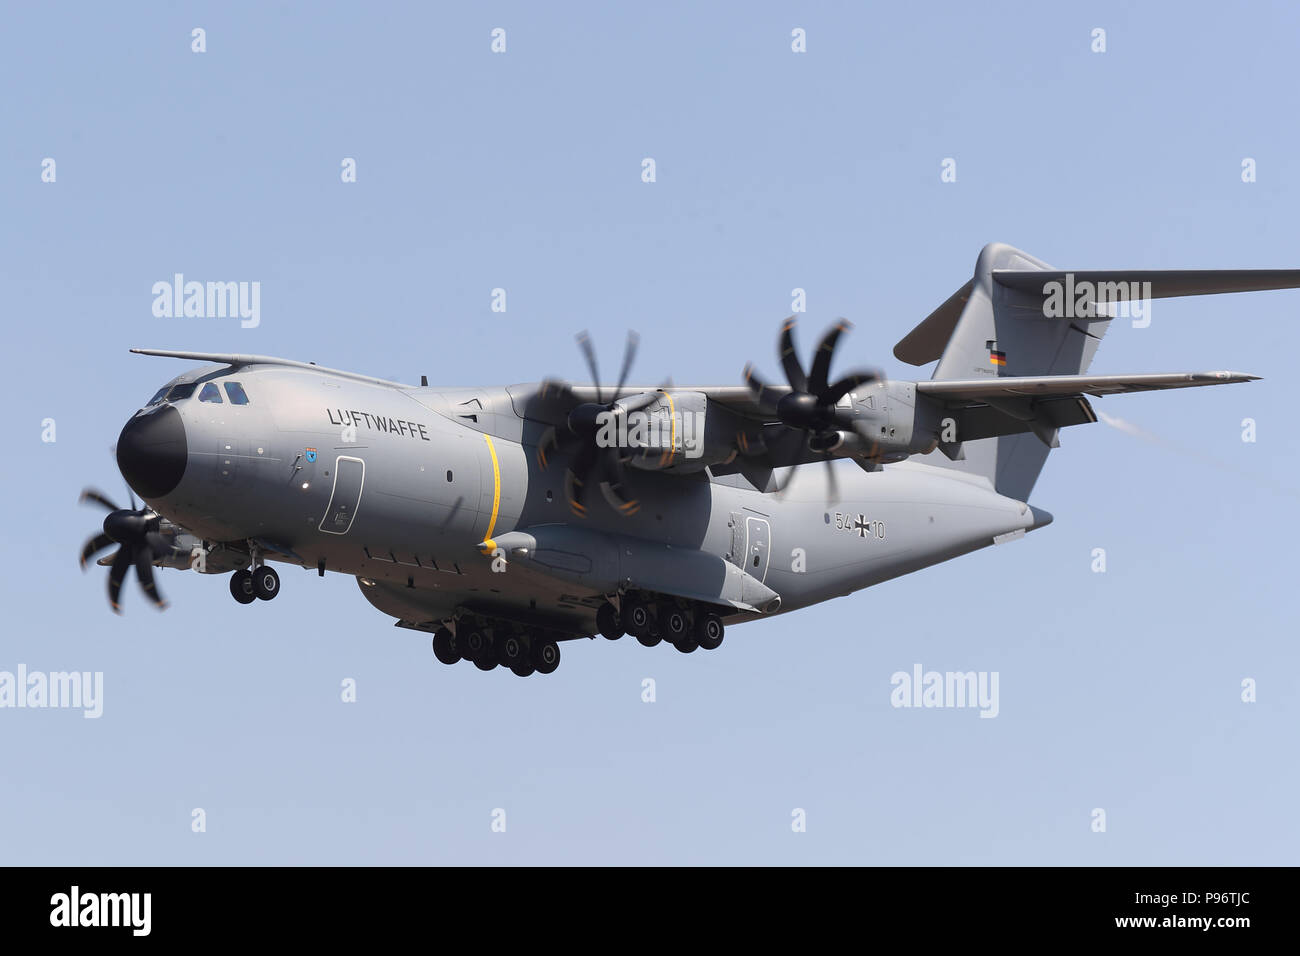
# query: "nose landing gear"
241, 587
261, 582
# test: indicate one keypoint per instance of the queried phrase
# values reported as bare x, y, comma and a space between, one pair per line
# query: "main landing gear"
489, 644
524, 652
248, 586
684, 626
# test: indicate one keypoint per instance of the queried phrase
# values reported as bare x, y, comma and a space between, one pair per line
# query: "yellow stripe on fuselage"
496, 491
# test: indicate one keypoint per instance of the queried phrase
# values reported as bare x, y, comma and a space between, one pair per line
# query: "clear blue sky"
775, 170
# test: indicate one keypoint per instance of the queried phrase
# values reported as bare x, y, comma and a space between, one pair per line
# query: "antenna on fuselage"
424, 381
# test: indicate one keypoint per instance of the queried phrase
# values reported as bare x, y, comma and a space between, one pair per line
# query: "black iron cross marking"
861, 526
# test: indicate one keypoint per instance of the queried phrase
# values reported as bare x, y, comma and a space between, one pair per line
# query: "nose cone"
151, 452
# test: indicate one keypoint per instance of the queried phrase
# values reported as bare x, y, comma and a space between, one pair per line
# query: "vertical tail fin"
989, 329
1020, 317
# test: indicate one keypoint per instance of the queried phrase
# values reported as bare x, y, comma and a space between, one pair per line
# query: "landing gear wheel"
637, 619
648, 640
686, 645
524, 670
673, 623
514, 652
241, 587
487, 660
474, 645
608, 624
444, 646
266, 583
709, 631
546, 656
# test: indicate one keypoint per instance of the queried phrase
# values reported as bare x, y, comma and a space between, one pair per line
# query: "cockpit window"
158, 396
235, 392
177, 392
210, 393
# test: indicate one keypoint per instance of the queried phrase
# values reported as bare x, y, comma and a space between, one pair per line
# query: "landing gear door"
349, 478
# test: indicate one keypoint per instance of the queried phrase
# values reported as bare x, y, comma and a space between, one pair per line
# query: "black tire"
241, 587
608, 624
638, 620
546, 656
487, 660
266, 583
648, 640
526, 669
686, 645
513, 651
444, 646
475, 645
674, 625
709, 631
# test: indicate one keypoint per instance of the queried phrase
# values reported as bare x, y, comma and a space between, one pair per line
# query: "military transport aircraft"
505, 520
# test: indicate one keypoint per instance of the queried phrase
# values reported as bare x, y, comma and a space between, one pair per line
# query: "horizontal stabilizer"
1164, 283
1038, 386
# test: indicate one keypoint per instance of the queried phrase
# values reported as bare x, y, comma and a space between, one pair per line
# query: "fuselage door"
349, 478
758, 545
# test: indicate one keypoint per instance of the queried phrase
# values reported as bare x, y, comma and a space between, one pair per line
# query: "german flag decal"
997, 358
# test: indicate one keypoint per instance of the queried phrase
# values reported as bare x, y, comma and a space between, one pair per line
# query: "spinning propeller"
592, 461
809, 407
135, 531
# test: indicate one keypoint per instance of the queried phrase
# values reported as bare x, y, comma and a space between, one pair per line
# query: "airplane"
507, 520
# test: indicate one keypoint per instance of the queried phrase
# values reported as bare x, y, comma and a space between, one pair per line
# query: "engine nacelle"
893, 422
677, 431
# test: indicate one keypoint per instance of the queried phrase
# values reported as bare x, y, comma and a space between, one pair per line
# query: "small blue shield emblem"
311, 456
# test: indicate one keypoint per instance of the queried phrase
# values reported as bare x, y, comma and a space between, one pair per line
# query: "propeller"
592, 462
809, 408
135, 531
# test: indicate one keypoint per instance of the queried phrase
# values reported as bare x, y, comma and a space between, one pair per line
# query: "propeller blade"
832, 483
554, 390
144, 572
90, 494
612, 477
821, 366
159, 546
576, 476
95, 545
848, 383
584, 343
116, 574
783, 486
783, 444
629, 353
761, 390
547, 440
790, 359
